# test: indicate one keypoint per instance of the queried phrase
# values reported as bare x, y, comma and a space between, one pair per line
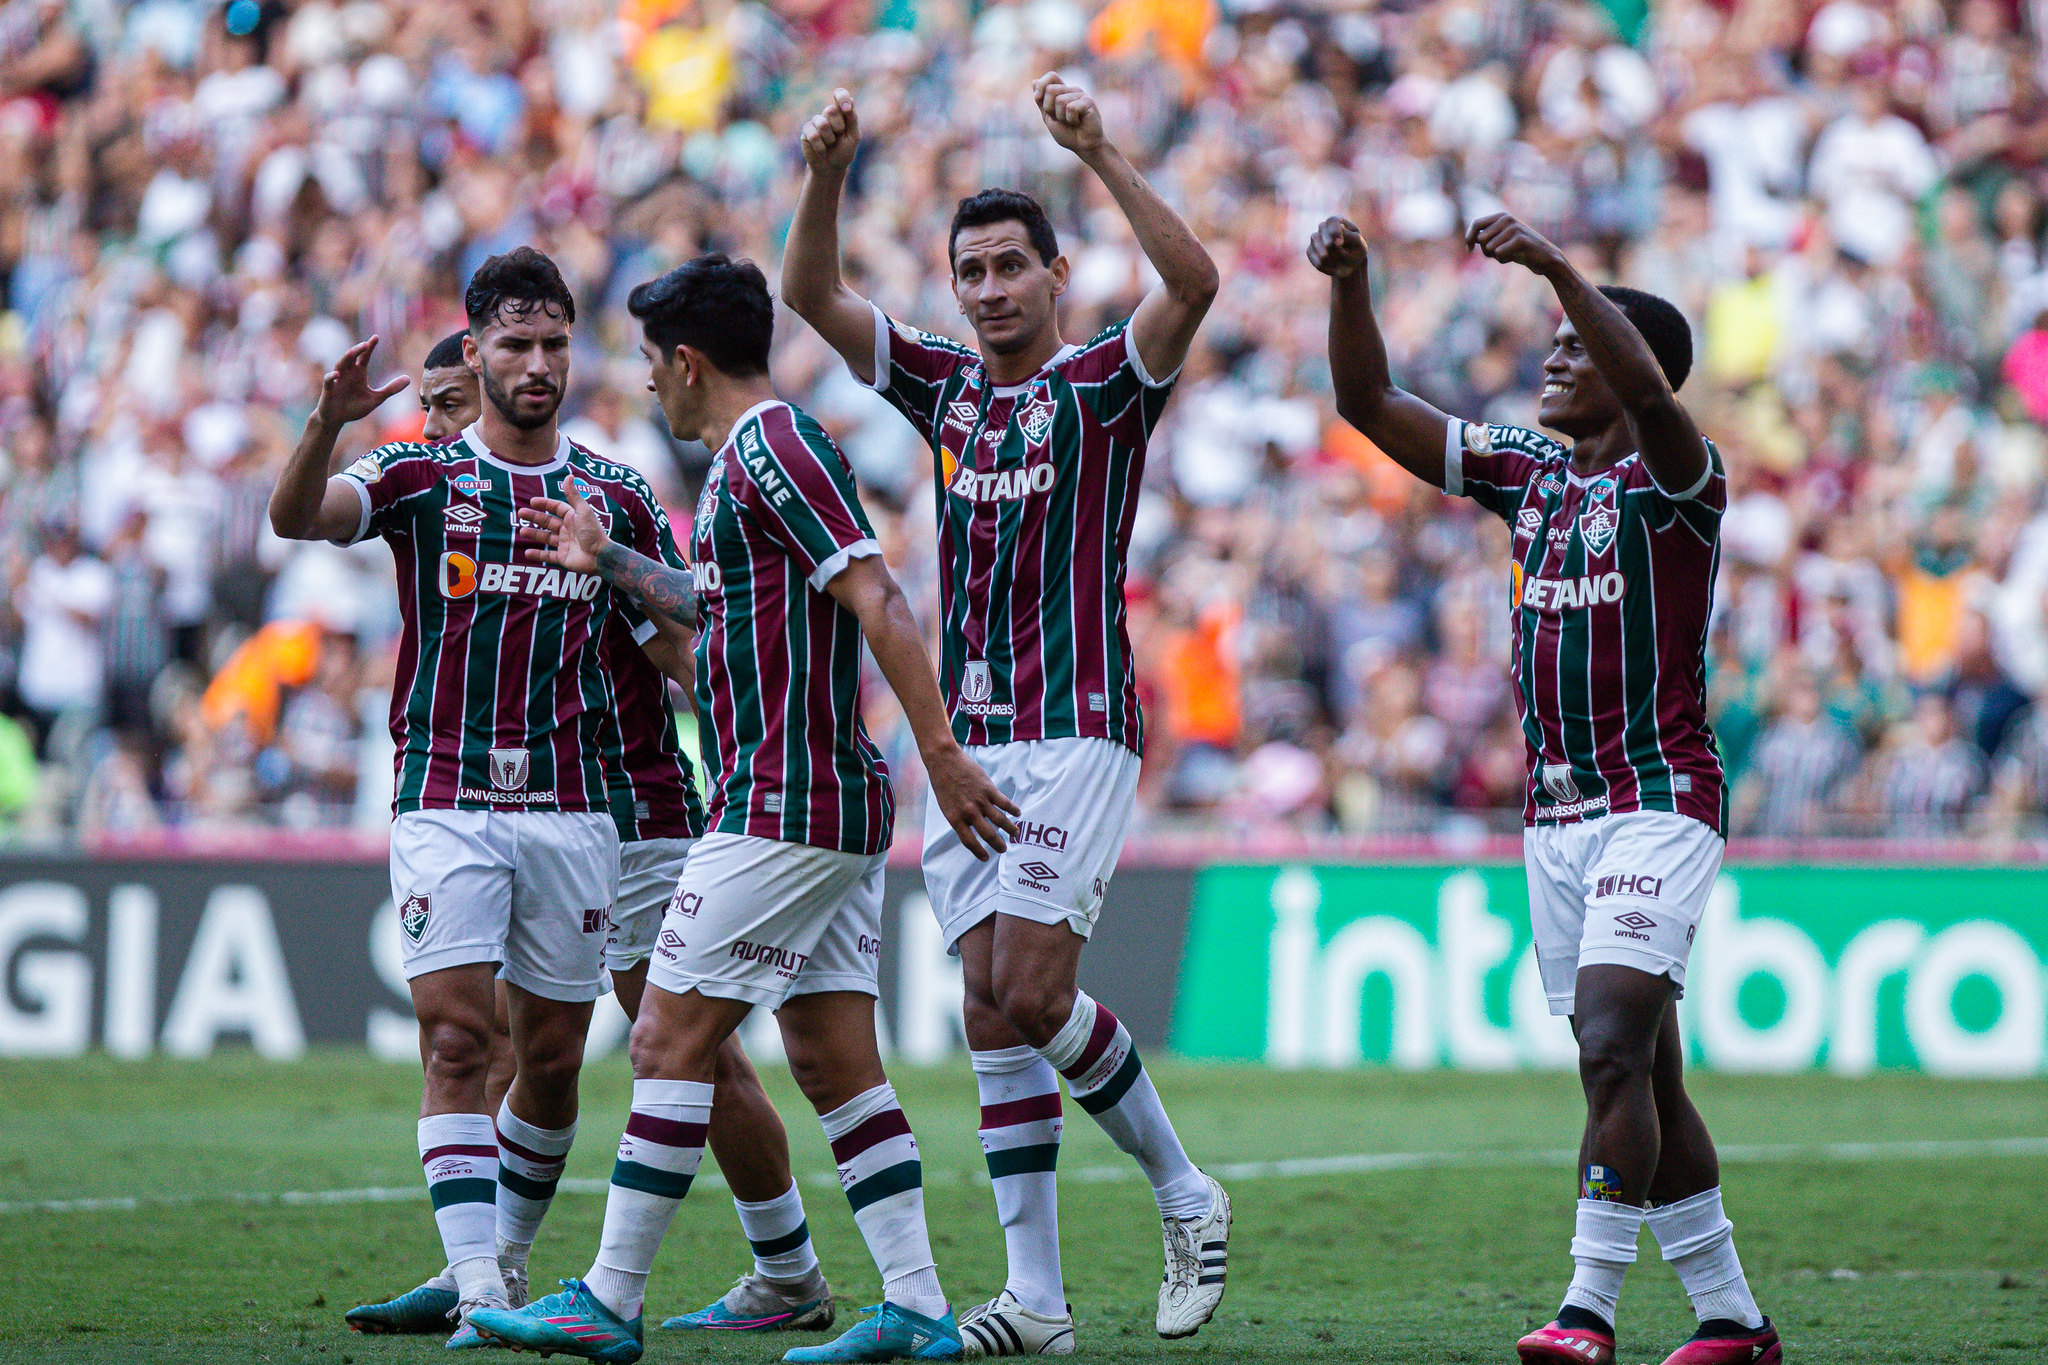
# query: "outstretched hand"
1069, 112
831, 138
972, 804
1507, 239
346, 394
564, 532
1337, 248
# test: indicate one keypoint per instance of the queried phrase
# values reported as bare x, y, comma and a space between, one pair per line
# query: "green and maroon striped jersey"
502, 700
1612, 588
1036, 486
778, 659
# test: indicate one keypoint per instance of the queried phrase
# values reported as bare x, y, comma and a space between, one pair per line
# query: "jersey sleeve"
800, 489
647, 531
392, 482
1110, 377
1492, 465
911, 370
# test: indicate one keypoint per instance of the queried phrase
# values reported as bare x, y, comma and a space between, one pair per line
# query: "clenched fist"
830, 139
1337, 249
1069, 112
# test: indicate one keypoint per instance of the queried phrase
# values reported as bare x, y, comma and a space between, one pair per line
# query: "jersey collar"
1012, 390
473, 439
749, 415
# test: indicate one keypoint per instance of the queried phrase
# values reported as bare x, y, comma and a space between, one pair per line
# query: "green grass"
1886, 1260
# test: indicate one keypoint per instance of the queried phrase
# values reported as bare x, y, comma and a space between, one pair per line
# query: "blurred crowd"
204, 204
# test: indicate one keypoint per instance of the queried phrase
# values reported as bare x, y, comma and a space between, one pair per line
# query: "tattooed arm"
568, 535
660, 590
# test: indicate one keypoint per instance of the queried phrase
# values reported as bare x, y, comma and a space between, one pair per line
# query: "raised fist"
830, 139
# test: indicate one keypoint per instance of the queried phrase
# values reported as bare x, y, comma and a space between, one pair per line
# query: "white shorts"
1627, 889
1076, 797
761, 920
531, 890
648, 872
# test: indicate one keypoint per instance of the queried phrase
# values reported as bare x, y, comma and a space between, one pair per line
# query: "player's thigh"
649, 870
1647, 885
567, 873
451, 879
747, 915
1075, 799
1555, 856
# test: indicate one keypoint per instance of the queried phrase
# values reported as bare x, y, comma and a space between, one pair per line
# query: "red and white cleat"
1729, 1344
1554, 1345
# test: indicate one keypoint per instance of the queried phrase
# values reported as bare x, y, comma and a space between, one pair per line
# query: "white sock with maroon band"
1699, 1241
530, 1161
1020, 1137
1603, 1248
459, 1154
884, 1182
1095, 1054
658, 1158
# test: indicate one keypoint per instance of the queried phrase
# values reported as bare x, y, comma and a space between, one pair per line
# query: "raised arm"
811, 284
307, 504
1164, 326
567, 534
1671, 446
973, 806
1408, 429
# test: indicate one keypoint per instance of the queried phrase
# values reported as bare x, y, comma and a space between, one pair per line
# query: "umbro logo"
462, 519
963, 412
1636, 919
1039, 871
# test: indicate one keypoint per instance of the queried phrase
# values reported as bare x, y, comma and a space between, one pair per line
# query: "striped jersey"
1612, 587
501, 700
1036, 485
778, 659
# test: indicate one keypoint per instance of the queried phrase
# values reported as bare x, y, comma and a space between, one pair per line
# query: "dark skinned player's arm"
1662, 430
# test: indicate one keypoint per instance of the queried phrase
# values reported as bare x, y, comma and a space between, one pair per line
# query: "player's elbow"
1363, 408
1198, 286
288, 522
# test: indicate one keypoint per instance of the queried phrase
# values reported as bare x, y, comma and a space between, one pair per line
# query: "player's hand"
831, 138
1337, 248
1070, 114
346, 393
1507, 239
563, 532
973, 806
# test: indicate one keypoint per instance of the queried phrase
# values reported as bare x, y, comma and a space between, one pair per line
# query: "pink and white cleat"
1729, 1343
1555, 1345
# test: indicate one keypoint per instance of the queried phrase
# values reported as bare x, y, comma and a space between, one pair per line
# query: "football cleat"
1197, 1255
893, 1333
467, 1338
421, 1310
758, 1304
1004, 1327
1722, 1342
572, 1323
1554, 1345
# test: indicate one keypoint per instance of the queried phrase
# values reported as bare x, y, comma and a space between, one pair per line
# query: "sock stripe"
789, 1241
1099, 1039
905, 1175
457, 1149
527, 1153
525, 1186
1030, 1109
1110, 1091
473, 1191
890, 1123
667, 1132
662, 1184
1039, 1156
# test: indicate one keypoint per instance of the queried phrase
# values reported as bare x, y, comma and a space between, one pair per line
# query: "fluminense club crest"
412, 916
1037, 420
1600, 517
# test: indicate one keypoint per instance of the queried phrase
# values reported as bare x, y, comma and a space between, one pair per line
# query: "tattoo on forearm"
656, 586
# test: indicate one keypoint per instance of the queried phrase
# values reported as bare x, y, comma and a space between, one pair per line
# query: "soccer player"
1616, 539
779, 905
658, 813
1039, 446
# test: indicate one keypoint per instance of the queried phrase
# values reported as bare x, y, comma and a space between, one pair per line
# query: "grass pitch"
1445, 1255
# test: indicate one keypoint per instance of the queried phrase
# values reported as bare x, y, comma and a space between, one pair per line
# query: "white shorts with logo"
531, 890
761, 920
1075, 796
1627, 889
648, 872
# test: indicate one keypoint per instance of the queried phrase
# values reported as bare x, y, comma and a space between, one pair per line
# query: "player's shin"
1603, 1248
530, 1161
1699, 1241
1094, 1052
658, 1158
459, 1154
884, 1182
1020, 1137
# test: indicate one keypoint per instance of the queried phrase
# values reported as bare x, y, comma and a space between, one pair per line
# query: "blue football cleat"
572, 1323
426, 1309
893, 1333
757, 1305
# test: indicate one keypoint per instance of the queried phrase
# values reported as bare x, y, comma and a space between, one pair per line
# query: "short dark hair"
715, 304
447, 353
1005, 206
519, 283
1662, 326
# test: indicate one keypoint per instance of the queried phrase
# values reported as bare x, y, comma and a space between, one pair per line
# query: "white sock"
884, 1182
530, 1161
1105, 1077
658, 1157
444, 1280
1020, 1137
1699, 1241
780, 1236
459, 1154
1603, 1248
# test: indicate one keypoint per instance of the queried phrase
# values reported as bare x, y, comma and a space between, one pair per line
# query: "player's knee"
1611, 1059
552, 1060
458, 1050
1037, 1009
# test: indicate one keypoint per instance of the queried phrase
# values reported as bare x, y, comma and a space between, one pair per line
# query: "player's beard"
502, 401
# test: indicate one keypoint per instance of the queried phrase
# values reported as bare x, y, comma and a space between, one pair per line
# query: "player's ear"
1062, 271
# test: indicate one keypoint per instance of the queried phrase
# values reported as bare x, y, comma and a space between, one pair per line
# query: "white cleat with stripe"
1197, 1261
1004, 1327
